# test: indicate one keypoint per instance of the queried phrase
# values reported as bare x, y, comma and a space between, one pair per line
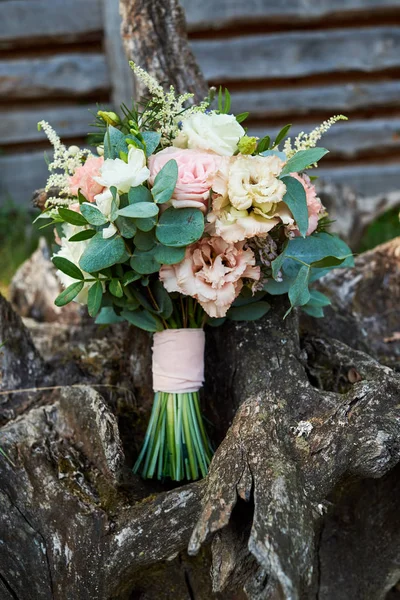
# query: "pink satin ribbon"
178, 360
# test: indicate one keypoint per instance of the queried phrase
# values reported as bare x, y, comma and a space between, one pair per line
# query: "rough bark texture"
154, 36
301, 500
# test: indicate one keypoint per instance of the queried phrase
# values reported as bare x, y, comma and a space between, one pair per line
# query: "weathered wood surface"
84, 527
225, 13
326, 99
19, 126
298, 54
122, 84
44, 21
68, 75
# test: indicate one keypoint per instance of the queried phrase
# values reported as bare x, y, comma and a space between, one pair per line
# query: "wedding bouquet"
180, 219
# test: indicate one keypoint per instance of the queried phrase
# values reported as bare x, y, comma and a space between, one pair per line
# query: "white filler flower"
210, 131
122, 175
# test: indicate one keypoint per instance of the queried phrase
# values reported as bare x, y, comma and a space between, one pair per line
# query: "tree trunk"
301, 501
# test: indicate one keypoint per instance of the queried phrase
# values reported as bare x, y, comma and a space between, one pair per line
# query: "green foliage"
82, 235
281, 135
144, 263
151, 140
67, 267
94, 298
143, 319
180, 227
302, 160
114, 143
248, 312
70, 216
224, 101
167, 255
92, 214
69, 293
108, 316
295, 198
165, 182
139, 210
382, 229
102, 253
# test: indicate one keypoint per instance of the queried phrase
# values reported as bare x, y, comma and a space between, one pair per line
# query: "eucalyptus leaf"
167, 255
163, 299
143, 319
67, 267
180, 227
108, 316
126, 227
130, 277
303, 159
299, 294
72, 217
114, 143
151, 139
69, 294
115, 288
95, 295
145, 240
165, 182
139, 210
249, 312
140, 193
216, 322
102, 253
92, 214
318, 299
144, 263
296, 200
314, 311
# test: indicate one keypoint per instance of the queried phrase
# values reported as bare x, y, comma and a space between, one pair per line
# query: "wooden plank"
68, 75
120, 72
348, 139
368, 180
226, 13
299, 54
327, 99
19, 126
39, 21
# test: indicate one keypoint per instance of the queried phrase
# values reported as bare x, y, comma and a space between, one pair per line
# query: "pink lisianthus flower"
212, 272
314, 204
196, 170
83, 179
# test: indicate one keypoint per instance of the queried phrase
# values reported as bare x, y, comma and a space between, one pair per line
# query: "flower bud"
73, 150
110, 117
247, 145
100, 150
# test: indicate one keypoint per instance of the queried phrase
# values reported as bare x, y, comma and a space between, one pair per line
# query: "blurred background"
293, 61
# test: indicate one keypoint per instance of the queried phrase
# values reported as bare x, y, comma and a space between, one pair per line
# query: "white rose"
211, 131
103, 203
116, 172
252, 181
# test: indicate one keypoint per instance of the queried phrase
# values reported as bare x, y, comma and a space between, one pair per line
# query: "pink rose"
212, 272
83, 179
196, 169
314, 204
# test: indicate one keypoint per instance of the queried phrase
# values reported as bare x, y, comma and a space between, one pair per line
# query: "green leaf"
82, 235
143, 319
144, 263
115, 288
69, 293
277, 288
139, 210
242, 117
318, 299
249, 312
263, 144
244, 300
102, 253
313, 311
303, 159
67, 267
81, 197
70, 216
299, 294
216, 322
282, 134
295, 198
140, 193
165, 182
180, 227
328, 262
167, 255
163, 299
95, 295
126, 227
145, 240
145, 224
130, 277
114, 143
92, 214
151, 139
108, 316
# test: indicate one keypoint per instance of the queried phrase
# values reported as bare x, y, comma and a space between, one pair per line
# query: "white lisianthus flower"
104, 204
210, 131
253, 182
116, 172
73, 252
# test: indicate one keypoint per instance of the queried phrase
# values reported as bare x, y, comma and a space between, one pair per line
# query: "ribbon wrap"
178, 360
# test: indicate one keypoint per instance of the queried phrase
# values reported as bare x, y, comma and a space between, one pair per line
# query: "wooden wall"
289, 61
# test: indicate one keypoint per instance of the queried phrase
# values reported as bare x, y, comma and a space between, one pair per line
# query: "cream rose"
210, 131
124, 175
212, 272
